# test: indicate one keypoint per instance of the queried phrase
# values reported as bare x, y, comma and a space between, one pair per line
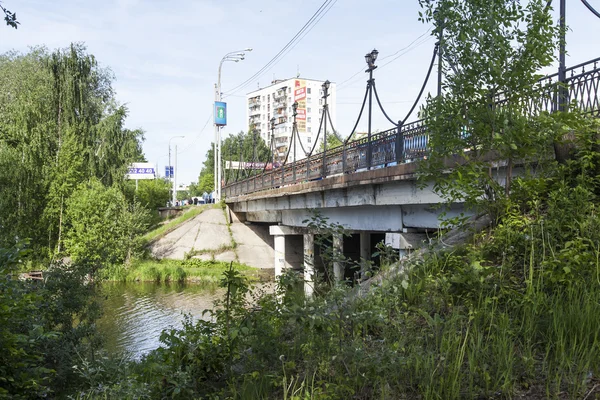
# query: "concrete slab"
211, 237
227, 256
254, 245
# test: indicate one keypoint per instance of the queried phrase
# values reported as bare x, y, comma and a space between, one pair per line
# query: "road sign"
141, 171
168, 171
220, 113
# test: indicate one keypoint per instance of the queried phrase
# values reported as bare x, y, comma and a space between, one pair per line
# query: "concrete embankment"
208, 236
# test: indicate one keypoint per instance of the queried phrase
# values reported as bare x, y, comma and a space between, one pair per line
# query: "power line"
315, 17
189, 146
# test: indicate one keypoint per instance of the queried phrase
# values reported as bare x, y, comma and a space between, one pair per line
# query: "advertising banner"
300, 98
141, 171
220, 113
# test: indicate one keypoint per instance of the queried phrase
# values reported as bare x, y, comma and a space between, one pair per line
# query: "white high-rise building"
275, 101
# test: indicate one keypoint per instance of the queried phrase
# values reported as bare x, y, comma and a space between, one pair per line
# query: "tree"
332, 142
497, 49
207, 183
60, 125
103, 226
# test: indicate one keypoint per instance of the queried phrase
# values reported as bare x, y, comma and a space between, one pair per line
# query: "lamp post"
272, 143
294, 134
174, 197
370, 59
325, 87
234, 56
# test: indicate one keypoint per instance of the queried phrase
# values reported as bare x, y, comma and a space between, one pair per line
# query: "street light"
174, 169
370, 58
272, 143
325, 87
234, 56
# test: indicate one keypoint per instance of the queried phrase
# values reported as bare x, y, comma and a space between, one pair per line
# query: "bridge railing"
410, 142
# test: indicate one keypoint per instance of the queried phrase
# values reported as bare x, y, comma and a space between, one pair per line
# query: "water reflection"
136, 313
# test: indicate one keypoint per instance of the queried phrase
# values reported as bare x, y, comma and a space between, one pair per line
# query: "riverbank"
192, 270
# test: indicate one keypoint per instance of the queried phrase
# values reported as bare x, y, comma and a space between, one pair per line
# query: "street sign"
141, 171
220, 113
168, 171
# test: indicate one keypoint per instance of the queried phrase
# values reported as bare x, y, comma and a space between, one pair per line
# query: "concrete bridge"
369, 186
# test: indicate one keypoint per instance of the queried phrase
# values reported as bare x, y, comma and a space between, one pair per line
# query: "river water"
135, 314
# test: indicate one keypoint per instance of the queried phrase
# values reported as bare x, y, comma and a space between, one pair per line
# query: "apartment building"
275, 101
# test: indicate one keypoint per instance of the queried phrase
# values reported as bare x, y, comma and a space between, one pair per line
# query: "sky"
165, 56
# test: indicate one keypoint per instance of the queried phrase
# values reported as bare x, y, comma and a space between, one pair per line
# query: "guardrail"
410, 142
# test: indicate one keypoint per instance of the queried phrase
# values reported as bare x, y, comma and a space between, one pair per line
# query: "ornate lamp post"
272, 143
294, 134
370, 58
325, 87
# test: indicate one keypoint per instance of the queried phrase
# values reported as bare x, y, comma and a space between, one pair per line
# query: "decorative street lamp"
370, 58
234, 56
272, 143
325, 87
294, 134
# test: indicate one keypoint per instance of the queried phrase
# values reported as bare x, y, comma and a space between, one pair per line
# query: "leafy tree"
497, 48
332, 142
103, 227
207, 183
59, 126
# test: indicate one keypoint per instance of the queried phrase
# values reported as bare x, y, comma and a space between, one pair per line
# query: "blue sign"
168, 171
220, 113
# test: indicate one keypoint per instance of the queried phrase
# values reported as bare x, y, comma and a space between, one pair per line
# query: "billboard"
141, 171
300, 98
220, 113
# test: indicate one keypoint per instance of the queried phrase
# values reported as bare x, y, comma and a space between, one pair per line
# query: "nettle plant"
492, 51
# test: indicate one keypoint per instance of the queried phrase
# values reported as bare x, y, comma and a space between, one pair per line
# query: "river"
134, 314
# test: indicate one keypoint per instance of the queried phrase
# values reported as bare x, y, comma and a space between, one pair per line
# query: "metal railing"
410, 142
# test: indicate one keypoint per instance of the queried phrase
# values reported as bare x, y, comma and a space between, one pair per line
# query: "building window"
320, 111
268, 107
309, 130
263, 98
309, 139
263, 108
290, 99
320, 102
308, 119
308, 91
289, 90
308, 110
309, 99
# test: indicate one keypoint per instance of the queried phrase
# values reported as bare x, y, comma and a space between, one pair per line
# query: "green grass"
188, 214
192, 270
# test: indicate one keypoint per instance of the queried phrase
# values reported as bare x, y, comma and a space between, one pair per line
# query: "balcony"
254, 111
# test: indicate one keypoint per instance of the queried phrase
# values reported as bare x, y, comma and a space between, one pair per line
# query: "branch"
10, 18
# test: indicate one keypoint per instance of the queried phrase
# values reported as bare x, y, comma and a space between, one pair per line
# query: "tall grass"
167, 227
176, 271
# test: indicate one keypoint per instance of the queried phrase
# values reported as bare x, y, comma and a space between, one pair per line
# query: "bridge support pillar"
365, 251
279, 254
309, 264
338, 255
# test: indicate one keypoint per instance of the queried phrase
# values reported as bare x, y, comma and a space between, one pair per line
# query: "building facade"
275, 101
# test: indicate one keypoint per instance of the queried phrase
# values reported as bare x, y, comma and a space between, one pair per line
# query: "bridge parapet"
410, 142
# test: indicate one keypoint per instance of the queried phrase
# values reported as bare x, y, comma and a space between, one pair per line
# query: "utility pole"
175, 178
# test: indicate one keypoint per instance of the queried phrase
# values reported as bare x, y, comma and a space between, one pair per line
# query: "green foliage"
206, 183
103, 227
60, 125
162, 230
43, 326
10, 18
484, 114
332, 142
151, 193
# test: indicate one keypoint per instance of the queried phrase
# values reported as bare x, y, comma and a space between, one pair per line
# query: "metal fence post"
399, 143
